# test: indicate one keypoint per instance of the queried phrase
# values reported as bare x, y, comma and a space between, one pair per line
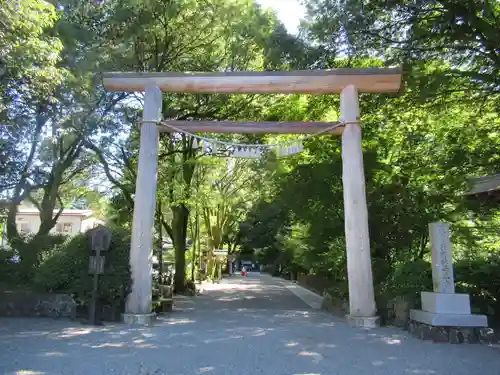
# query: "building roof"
486, 184
65, 212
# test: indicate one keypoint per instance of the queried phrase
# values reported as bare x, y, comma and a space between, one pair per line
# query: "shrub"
33, 250
67, 270
480, 278
340, 291
409, 279
9, 271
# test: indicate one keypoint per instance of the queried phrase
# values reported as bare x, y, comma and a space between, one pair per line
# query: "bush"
406, 280
67, 270
480, 278
9, 271
340, 291
33, 250
409, 279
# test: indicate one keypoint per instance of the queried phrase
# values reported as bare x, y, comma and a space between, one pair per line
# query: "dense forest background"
66, 143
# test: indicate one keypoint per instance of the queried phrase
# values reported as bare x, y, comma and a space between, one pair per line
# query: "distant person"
243, 271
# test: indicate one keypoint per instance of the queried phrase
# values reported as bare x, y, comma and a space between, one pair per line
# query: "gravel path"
242, 326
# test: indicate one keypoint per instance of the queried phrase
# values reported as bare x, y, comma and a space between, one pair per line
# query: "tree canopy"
65, 142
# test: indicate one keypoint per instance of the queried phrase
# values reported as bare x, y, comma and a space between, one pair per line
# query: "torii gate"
346, 82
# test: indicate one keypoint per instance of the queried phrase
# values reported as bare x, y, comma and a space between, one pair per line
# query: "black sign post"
99, 240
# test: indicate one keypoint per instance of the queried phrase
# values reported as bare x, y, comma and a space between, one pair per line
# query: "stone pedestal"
445, 315
449, 320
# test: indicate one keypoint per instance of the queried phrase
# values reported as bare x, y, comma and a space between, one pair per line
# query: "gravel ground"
250, 325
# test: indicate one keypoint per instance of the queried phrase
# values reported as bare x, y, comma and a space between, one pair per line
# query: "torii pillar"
138, 307
362, 308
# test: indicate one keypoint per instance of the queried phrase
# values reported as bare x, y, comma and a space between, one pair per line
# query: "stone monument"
444, 313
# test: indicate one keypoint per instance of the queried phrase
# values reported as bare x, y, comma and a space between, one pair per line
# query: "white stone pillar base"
363, 321
139, 319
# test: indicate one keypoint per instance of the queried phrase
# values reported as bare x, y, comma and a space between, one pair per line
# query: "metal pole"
95, 285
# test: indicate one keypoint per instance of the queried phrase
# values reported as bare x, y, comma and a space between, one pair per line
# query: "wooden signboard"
219, 252
96, 264
99, 239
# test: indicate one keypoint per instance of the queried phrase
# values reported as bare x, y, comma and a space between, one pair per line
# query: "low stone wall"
30, 304
317, 284
452, 335
334, 305
397, 312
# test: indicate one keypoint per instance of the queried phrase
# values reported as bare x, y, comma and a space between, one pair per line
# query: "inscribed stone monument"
442, 260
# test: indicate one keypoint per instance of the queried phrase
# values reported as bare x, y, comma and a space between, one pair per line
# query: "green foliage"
419, 148
480, 277
33, 250
29, 53
67, 270
10, 273
458, 37
339, 291
408, 279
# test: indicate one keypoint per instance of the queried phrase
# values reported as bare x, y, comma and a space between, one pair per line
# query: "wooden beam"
303, 82
266, 127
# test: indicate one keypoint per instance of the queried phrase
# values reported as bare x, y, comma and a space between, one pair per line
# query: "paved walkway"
253, 325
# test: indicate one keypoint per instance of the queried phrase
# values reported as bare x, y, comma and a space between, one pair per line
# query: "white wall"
33, 223
90, 222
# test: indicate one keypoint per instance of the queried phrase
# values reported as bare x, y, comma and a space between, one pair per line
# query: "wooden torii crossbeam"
346, 82
331, 81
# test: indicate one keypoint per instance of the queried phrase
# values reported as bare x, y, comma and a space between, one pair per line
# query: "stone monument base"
139, 319
451, 328
452, 335
363, 321
449, 320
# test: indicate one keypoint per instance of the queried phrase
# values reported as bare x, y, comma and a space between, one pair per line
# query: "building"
70, 222
485, 188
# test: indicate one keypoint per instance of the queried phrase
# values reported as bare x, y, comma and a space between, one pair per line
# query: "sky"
289, 12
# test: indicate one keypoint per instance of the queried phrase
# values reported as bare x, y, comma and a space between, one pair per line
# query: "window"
64, 228
23, 227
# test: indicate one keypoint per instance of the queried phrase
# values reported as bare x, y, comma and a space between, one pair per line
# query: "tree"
28, 74
229, 36
444, 46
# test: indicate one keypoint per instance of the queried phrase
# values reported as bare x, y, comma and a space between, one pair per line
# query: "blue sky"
289, 12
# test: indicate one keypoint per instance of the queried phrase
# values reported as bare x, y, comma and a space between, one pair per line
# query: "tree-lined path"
243, 325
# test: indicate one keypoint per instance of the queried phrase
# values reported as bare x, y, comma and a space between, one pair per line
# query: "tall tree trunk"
160, 239
179, 234
200, 252
196, 232
423, 244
